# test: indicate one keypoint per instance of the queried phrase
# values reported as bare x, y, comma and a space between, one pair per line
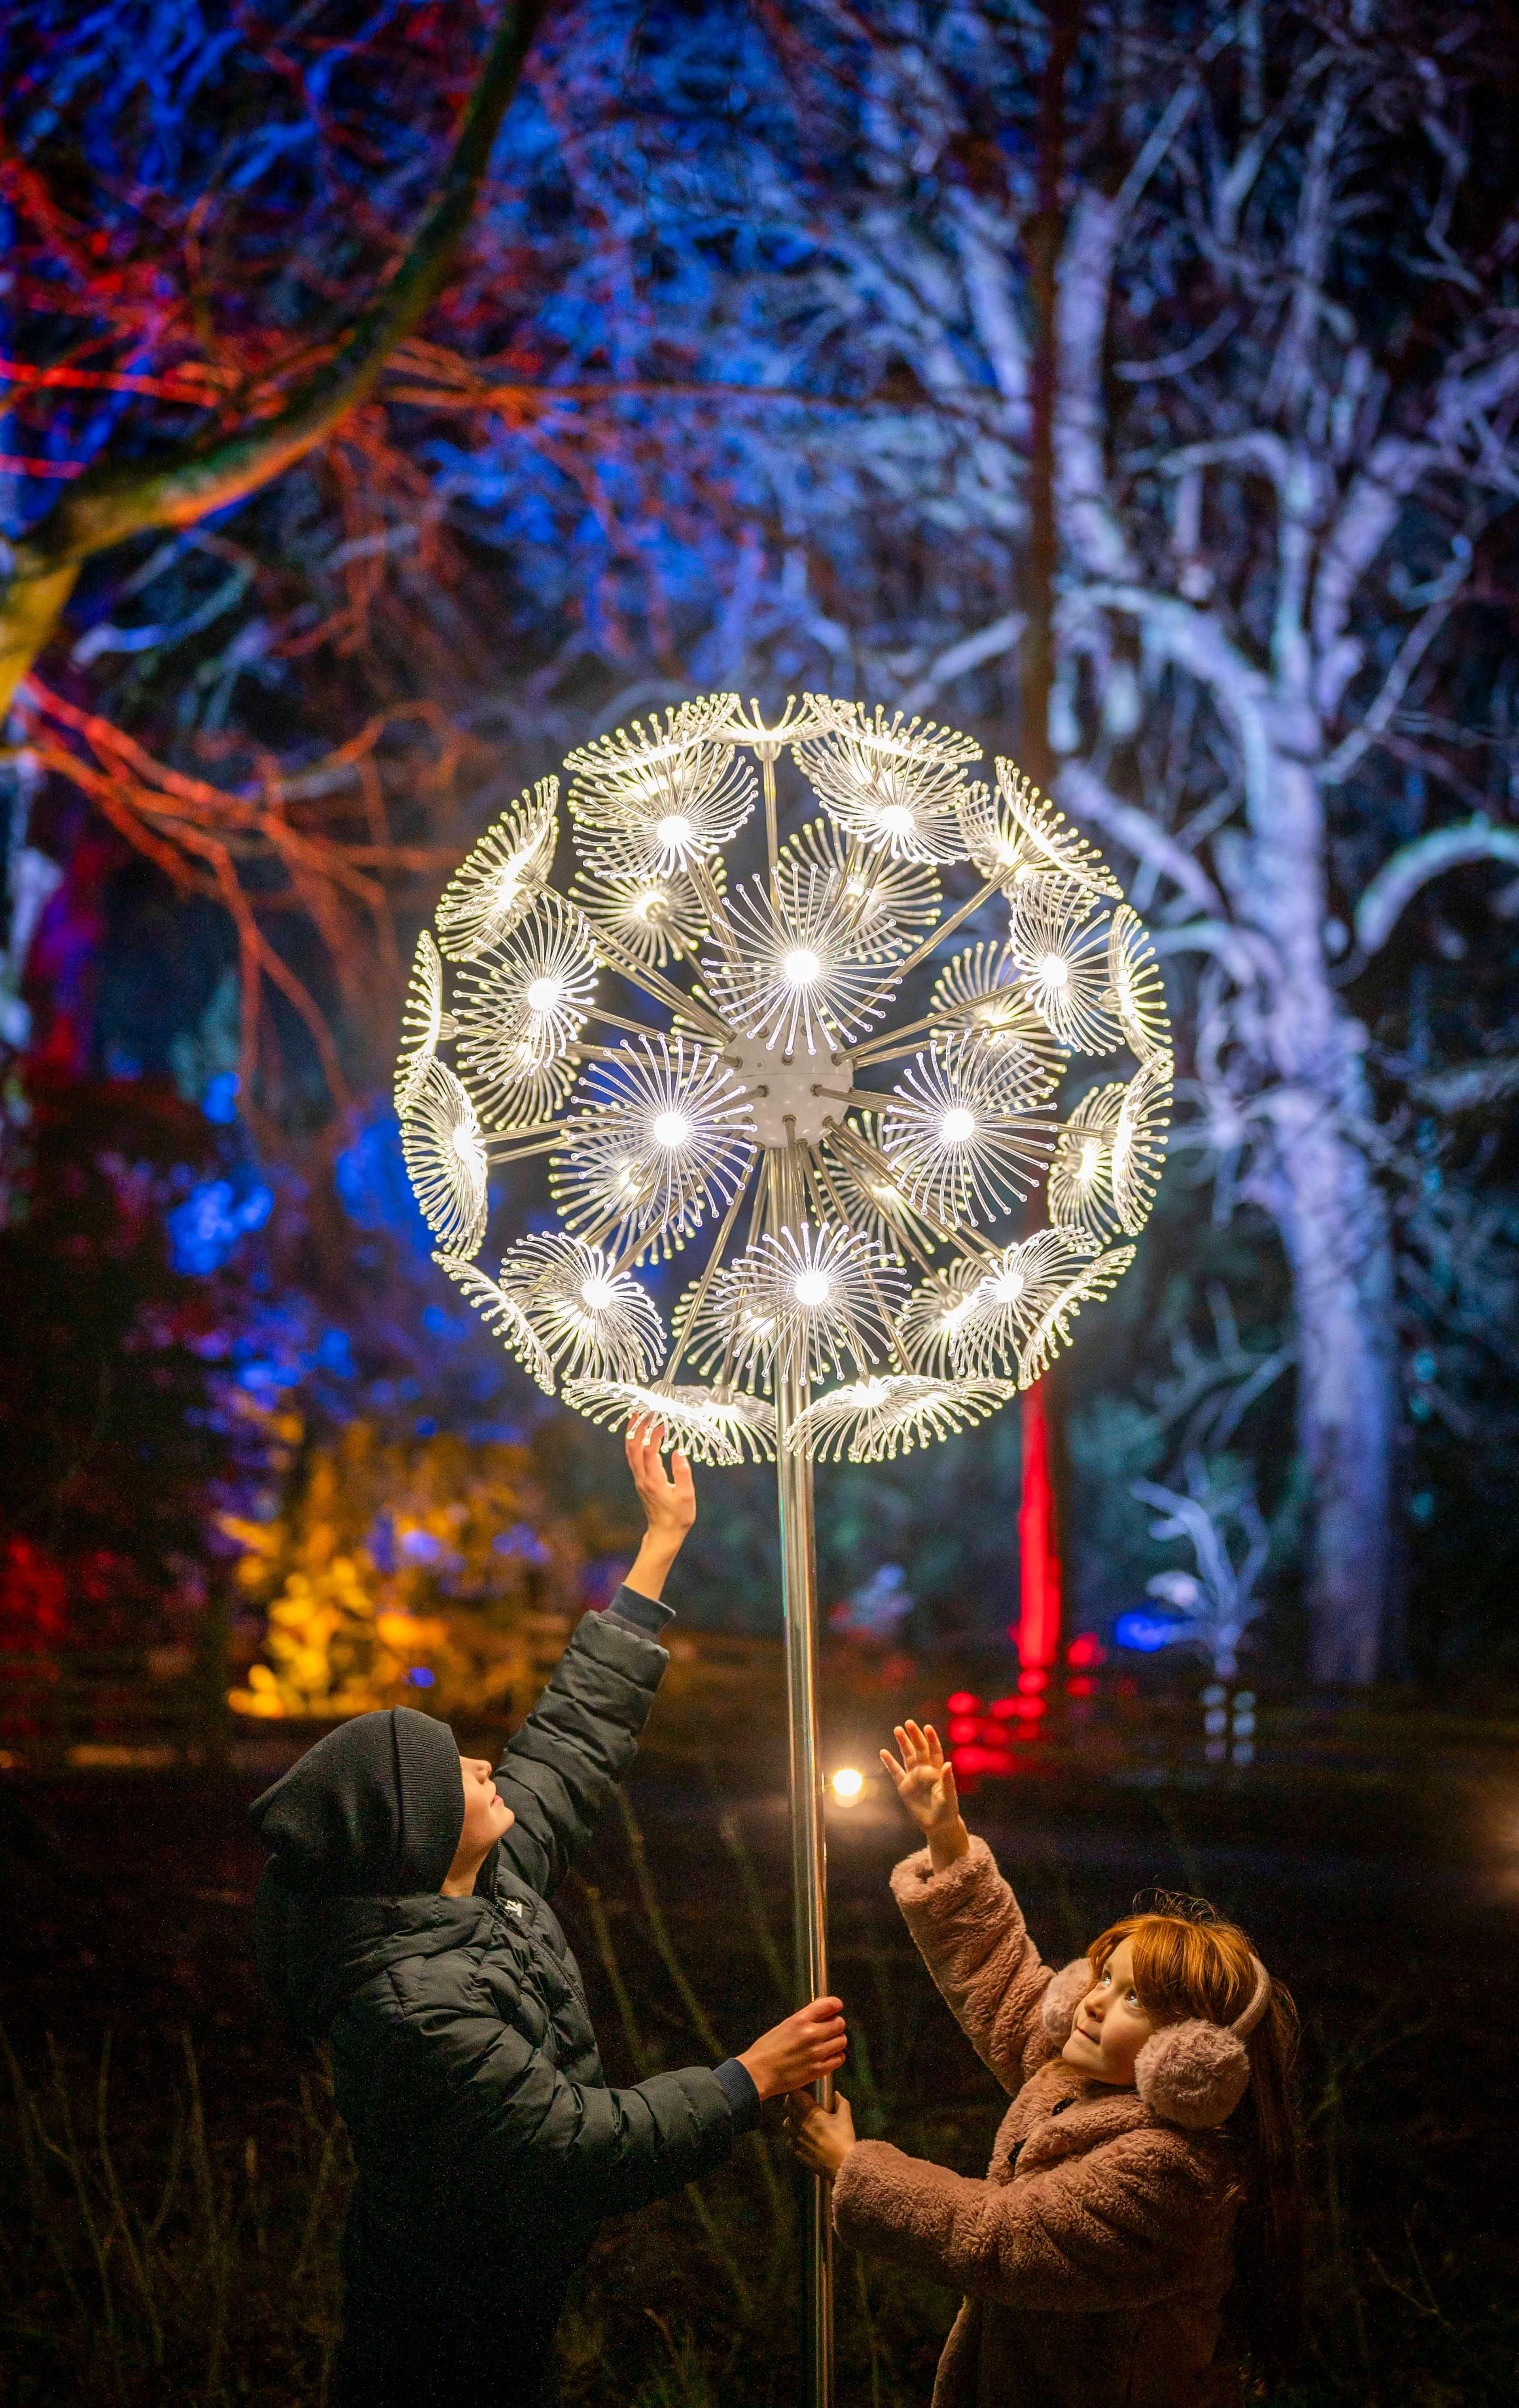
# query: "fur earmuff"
1066, 1990
1195, 2073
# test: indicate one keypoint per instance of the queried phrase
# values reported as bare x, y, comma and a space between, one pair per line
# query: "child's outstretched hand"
924, 1781
668, 1501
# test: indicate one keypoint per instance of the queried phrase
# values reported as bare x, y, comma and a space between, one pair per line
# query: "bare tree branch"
1412, 866
114, 499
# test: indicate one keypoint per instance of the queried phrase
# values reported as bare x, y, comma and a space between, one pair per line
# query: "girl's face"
1110, 2026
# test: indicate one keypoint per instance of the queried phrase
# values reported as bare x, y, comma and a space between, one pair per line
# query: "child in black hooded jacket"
403, 1918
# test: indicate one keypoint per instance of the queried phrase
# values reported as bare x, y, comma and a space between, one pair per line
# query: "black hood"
375, 1809
373, 1812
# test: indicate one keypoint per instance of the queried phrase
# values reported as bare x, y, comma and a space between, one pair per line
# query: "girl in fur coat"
1140, 2218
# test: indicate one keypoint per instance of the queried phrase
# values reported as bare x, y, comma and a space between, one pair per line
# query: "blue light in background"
420, 1676
520, 1541
220, 1101
206, 1227
421, 1547
1143, 1633
373, 1187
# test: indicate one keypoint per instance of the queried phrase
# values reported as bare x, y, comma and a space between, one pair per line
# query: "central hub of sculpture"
791, 1096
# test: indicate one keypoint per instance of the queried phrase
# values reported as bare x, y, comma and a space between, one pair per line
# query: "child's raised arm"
968, 1926
559, 1770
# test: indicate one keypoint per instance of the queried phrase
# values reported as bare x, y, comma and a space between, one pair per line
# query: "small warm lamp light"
848, 1786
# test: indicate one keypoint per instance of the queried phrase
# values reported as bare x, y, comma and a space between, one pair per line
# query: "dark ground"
1379, 1876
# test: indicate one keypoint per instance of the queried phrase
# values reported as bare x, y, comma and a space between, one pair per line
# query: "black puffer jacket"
488, 2144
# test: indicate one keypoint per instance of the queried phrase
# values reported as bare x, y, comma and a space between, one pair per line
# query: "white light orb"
848, 1786
959, 1127
802, 967
598, 1293
672, 1129
543, 994
673, 831
812, 1289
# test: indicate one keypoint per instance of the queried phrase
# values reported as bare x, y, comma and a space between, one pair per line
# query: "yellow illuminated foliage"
390, 1558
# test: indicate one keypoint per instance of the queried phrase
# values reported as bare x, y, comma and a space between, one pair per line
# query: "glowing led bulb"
674, 830
672, 1129
1010, 1287
1053, 970
802, 967
811, 1288
1091, 1156
544, 993
848, 1786
959, 1127
897, 820
597, 1293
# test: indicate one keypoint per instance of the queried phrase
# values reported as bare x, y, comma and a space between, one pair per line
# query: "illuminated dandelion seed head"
662, 1137
499, 882
871, 1421
895, 785
1014, 1290
660, 798
980, 989
885, 906
443, 1147
505, 1315
1063, 954
769, 739
1136, 992
967, 1132
804, 1086
1139, 1145
934, 1315
800, 982
1052, 844
424, 1024
1052, 1330
525, 1002
593, 1319
708, 1425
813, 1298
656, 918
1081, 1185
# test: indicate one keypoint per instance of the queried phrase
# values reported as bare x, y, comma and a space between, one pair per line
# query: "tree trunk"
1337, 1232
1334, 1222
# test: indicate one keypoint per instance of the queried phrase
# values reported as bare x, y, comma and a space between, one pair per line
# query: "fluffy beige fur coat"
1095, 2254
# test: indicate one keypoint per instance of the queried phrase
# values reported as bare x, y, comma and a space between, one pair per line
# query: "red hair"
1186, 1967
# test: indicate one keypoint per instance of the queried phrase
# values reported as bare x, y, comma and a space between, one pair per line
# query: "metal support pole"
808, 1867
808, 1856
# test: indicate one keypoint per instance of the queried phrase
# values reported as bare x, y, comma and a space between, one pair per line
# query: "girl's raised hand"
924, 1779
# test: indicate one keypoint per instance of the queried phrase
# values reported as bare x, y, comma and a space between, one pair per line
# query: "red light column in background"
1037, 1631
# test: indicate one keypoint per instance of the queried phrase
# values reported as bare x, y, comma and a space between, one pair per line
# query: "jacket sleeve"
971, 1935
560, 1769
575, 2152
1119, 2228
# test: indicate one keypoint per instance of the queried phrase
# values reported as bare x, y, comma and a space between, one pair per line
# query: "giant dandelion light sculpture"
906, 1172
